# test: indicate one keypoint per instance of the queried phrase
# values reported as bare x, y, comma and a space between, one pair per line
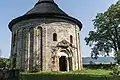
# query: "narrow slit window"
71, 39
14, 39
54, 37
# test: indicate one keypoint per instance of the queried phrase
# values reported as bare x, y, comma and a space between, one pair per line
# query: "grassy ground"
86, 74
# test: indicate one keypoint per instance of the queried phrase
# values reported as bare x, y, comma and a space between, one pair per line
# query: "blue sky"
83, 10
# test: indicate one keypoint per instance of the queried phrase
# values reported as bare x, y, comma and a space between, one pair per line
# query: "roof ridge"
46, 0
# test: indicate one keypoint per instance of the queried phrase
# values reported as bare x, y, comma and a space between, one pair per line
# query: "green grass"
86, 74
96, 72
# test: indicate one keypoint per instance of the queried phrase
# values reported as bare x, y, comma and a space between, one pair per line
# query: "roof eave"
32, 16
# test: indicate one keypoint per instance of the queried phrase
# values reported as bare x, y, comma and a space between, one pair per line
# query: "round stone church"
46, 39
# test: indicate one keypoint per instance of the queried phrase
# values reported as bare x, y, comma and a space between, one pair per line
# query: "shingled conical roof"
45, 9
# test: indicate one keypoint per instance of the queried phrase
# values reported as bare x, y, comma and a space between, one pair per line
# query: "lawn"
86, 74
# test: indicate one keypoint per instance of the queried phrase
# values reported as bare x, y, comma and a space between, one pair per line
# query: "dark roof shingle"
45, 9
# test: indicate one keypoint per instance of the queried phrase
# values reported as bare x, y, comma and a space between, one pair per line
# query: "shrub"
116, 70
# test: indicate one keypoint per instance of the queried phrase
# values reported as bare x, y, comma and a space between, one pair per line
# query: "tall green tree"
4, 62
106, 35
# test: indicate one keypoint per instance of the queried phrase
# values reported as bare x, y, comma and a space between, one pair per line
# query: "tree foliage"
4, 63
106, 36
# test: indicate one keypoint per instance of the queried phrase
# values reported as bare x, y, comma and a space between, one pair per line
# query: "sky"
83, 10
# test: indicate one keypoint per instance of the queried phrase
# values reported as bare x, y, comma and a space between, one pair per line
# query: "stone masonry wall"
34, 43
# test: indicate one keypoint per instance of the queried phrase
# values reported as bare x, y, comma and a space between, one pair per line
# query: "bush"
116, 70
100, 66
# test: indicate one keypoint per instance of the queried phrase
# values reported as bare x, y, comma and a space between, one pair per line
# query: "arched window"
78, 35
54, 37
14, 37
71, 39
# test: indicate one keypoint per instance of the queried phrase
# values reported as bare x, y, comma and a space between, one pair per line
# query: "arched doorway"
64, 60
63, 63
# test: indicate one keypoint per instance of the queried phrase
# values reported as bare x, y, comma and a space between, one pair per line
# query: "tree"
106, 36
4, 62
91, 63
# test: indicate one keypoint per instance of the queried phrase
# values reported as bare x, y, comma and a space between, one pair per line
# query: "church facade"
46, 39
